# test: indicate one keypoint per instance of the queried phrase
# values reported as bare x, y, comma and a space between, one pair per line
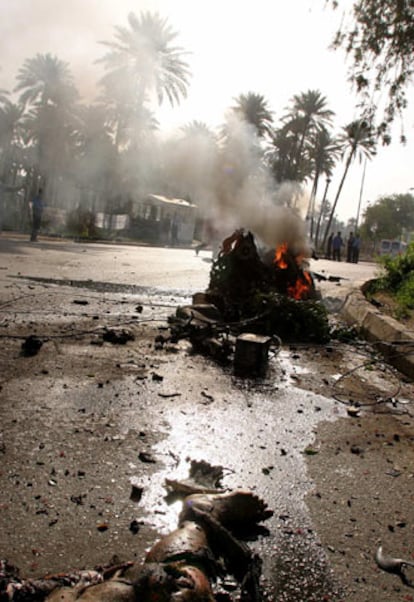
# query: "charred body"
191, 563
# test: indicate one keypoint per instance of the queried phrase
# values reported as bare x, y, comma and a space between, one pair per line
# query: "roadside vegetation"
396, 285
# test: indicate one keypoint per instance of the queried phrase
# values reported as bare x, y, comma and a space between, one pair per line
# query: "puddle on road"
258, 432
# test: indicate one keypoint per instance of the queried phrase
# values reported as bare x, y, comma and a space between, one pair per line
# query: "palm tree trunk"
312, 203
360, 194
318, 226
6, 159
328, 225
299, 150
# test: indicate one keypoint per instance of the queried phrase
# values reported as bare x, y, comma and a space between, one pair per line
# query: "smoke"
70, 30
227, 180
224, 175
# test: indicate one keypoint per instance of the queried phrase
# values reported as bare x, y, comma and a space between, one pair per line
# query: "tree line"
98, 155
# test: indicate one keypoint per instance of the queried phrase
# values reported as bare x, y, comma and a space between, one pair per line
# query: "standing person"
329, 246
337, 244
356, 248
37, 211
349, 247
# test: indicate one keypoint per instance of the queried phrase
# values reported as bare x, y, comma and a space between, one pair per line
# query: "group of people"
336, 243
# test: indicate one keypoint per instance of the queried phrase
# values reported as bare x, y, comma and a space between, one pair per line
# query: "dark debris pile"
254, 294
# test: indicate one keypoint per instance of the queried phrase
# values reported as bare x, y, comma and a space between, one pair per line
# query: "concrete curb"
390, 337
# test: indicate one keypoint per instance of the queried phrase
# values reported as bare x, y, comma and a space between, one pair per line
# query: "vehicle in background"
392, 247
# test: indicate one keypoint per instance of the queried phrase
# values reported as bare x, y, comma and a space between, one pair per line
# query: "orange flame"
301, 288
303, 284
280, 256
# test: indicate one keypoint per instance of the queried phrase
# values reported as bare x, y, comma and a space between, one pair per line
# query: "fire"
299, 282
301, 287
280, 256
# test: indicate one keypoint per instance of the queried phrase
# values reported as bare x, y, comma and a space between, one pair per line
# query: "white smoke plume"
225, 179
232, 188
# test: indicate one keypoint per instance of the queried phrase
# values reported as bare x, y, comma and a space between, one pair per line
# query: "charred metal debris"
253, 302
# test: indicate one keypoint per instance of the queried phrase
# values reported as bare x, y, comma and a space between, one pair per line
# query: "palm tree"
197, 129
138, 159
282, 152
192, 161
142, 60
52, 135
356, 141
128, 120
310, 108
45, 79
4, 95
323, 152
13, 163
253, 108
10, 133
94, 161
47, 88
324, 210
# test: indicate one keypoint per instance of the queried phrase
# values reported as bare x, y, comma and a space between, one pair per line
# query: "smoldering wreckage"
255, 300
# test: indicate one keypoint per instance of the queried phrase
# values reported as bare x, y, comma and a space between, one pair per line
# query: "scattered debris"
134, 526
393, 565
251, 296
251, 354
117, 336
203, 478
78, 499
31, 346
146, 457
208, 397
322, 277
136, 491
353, 411
393, 472
157, 377
310, 451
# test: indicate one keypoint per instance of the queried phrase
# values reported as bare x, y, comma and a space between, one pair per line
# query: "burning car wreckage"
253, 301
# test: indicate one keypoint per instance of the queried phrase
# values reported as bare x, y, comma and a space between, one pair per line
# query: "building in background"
163, 219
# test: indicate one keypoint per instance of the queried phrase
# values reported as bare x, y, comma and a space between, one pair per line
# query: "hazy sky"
277, 48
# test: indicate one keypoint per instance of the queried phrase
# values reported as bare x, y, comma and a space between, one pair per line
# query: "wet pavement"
84, 420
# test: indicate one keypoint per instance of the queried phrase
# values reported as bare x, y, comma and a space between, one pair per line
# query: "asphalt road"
76, 418
160, 267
